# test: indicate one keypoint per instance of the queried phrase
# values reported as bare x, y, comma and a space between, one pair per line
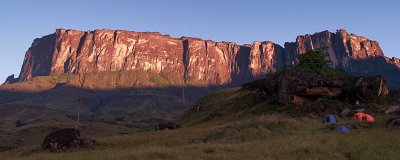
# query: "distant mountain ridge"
196, 61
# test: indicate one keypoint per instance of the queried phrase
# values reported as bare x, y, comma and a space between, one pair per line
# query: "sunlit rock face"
341, 47
266, 57
192, 60
395, 61
107, 50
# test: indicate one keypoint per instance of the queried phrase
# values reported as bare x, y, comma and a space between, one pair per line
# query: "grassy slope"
42, 112
235, 124
114, 99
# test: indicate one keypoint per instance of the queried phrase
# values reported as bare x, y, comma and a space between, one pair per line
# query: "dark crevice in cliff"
242, 60
350, 50
66, 64
185, 44
81, 41
206, 45
115, 37
339, 54
260, 48
41, 54
96, 54
208, 61
281, 54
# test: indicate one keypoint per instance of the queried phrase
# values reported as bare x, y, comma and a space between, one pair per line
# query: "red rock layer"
193, 60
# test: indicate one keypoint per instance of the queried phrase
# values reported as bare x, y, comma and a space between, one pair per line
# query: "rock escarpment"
377, 85
194, 61
11, 79
305, 87
191, 59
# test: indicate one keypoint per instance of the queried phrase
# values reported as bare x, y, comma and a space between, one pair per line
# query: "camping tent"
343, 129
358, 116
330, 119
368, 118
363, 117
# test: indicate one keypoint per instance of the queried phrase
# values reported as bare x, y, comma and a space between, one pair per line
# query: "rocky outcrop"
374, 84
62, 139
192, 60
288, 89
67, 138
11, 79
298, 89
266, 57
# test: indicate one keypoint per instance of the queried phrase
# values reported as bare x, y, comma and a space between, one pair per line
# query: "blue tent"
343, 129
330, 119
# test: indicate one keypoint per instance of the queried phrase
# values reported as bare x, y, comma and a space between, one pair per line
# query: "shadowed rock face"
194, 60
11, 79
297, 89
287, 89
376, 84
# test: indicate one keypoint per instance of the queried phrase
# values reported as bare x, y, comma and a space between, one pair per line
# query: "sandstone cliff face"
266, 57
342, 47
193, 61
38, 59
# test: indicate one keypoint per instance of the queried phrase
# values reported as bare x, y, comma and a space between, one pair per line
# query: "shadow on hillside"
141, 107
151, 104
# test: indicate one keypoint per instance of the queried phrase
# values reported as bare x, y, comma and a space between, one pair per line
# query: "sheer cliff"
194, 60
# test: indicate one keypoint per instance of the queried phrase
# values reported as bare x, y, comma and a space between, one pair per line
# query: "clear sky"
240, 21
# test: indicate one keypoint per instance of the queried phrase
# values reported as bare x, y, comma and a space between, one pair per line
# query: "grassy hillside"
237, 124
121, 100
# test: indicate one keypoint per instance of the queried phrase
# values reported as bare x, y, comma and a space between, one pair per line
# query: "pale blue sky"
220, 20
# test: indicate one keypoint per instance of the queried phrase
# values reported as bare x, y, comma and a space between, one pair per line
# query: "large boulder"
376, 85
301, 87
67, 138
62, 139
87, 143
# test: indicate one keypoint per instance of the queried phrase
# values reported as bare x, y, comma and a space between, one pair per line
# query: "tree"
313, 61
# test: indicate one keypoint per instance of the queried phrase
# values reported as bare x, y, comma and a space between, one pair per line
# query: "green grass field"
235, 124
